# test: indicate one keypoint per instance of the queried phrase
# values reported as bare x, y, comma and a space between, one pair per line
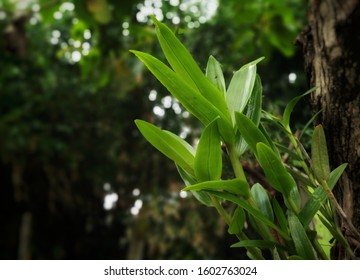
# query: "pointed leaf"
312, 206
301, 241
319, 197
185, 66
253, 108
280, 216
182, 141
235, 186
249, 131
202, 196
215, 74
168, 144
290, 107
237, 221
240, 88
254, 243
258, 244
253, 112
251, 210
189, 97
262, 201
268, 138
310, 122
208, 159
319, 154
336, 174
278, 177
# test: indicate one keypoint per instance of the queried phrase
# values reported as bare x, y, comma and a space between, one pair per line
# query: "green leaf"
312, 206
253, 112
240, 88
278, 177
279, 214
202, 196
332, 230
259, 244
251, 210
182, 141
189, 97
237, 221
318, 197
208, 159
274, 169
253, 108
319, 154
168, 144
336, 174
267, 136
249, 131
262, 201
290, 107
235, 186
310, 122
185, 66
215, 74
301, 241
255, 243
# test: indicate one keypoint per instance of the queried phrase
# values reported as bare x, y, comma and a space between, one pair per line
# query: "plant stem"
300, 151
319, 249
235, 162
221, 210
239, 173
242, 236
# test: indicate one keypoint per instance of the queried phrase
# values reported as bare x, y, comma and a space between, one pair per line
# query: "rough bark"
331, 47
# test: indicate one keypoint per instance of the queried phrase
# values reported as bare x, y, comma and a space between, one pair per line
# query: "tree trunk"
331, 47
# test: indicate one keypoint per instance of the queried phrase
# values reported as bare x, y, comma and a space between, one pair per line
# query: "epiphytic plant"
233, 117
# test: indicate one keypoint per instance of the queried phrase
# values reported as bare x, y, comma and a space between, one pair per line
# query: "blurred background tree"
77, 179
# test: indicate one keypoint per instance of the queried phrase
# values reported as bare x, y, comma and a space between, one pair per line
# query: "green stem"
220, 209
235, 162
301, 153
293, 206
239, 173
319, 249
242, 236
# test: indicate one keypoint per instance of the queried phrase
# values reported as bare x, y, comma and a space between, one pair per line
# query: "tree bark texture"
331, 47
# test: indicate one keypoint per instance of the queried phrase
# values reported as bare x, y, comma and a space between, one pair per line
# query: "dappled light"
91, 91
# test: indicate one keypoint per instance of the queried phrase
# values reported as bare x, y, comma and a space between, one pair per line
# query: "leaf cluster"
233, 117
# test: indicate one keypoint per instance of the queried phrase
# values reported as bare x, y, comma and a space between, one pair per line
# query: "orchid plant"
233, 118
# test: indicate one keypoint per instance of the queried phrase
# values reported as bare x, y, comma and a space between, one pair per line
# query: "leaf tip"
155, 20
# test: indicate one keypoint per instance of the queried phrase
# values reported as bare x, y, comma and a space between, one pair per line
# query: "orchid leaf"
262, 201
234, 186
253, 112
237, 221
249, 131
185, 66
319, 154
168, 144
215, 74
241, 87
301, 241
208, 159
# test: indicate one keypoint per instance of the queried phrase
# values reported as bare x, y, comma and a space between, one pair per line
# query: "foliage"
280, 224
69, 90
